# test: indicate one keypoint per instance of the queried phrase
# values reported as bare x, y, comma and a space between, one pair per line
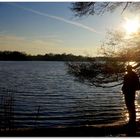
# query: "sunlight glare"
126, 117
137, 110
132, 63
131, 25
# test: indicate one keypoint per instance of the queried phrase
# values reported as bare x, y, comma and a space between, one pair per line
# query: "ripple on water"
45, 96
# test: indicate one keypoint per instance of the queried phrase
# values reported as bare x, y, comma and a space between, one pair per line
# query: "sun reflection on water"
132, 63
137, 105
125, 114
126, 117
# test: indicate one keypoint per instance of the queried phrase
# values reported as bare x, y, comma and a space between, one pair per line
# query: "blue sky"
50, 27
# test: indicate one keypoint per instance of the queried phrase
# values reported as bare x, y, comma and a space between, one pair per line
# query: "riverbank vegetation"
21, 56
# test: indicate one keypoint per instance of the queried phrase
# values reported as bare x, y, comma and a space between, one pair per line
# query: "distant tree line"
8, 55
21, 56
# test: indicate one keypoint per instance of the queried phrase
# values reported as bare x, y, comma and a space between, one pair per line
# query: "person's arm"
137, 83
123, 87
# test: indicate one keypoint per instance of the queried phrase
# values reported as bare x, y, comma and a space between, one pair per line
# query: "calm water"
44, 95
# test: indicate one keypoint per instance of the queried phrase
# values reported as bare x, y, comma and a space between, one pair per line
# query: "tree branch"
126, 5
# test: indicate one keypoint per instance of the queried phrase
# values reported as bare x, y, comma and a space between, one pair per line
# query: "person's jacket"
131, 82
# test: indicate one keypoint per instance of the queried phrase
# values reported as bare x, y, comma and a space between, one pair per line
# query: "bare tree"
119, 44
117, 49
99, 8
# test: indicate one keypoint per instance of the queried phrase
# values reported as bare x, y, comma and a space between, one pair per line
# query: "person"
130, 85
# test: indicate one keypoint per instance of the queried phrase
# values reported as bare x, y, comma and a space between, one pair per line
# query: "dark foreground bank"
91, 131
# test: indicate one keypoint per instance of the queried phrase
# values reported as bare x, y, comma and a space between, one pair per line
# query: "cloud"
42, 45
50, 38
10, 38
58, 18
3, 32
28, 45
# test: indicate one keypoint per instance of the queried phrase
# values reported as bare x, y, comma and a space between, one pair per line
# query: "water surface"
44, 95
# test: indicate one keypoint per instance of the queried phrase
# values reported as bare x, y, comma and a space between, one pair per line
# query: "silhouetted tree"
99, 8
117, 51
121, 45
8, 55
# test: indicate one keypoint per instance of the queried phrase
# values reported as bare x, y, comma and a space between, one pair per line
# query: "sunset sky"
51, 27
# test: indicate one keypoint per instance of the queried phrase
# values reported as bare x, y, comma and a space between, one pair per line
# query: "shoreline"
118, 130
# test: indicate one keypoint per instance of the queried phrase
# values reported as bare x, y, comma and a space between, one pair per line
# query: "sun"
132, 25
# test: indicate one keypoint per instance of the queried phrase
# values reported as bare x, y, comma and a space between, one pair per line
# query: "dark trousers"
130, 104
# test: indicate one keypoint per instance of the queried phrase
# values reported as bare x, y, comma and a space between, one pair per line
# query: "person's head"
129, 68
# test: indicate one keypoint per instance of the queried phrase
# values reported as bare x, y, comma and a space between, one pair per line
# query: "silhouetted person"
130, 85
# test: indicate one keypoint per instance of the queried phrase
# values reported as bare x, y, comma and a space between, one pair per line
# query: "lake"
42, 94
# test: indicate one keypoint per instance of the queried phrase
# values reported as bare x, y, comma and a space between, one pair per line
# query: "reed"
7, 110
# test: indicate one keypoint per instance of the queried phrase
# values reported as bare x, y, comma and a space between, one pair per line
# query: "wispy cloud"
32, 46
57, 18
40, 45
24, 41
4, 38
53, 38
3, 32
